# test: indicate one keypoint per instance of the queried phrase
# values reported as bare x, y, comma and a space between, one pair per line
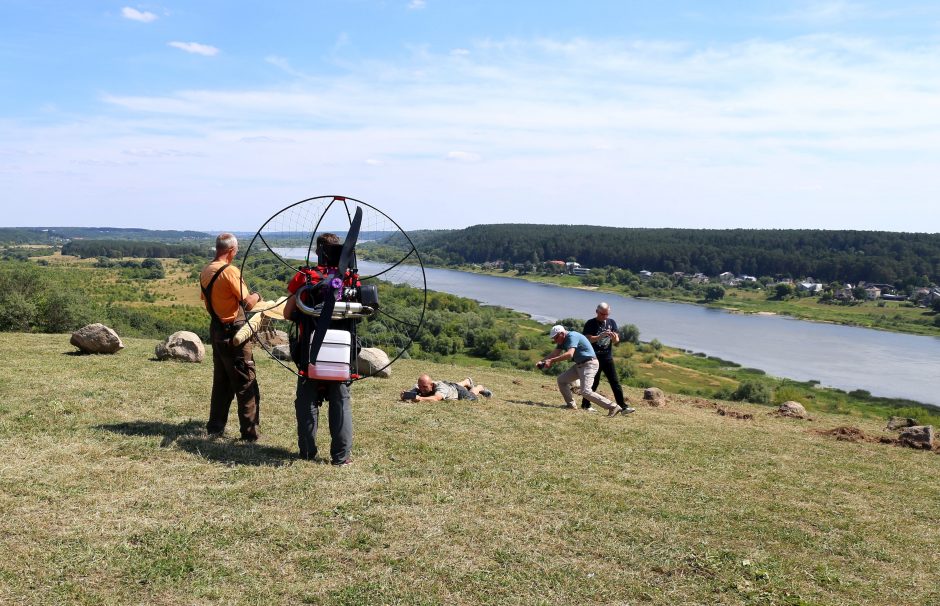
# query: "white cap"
556, 329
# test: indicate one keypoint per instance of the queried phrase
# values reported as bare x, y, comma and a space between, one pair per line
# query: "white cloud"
462, 156
195, 48
821, 131
417, 4
135, 15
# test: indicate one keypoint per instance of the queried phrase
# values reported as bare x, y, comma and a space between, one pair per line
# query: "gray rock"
271, 339
96, 339
919, 436
181, 345
654, 396
792, 409
281, 352
896, 423
373, 362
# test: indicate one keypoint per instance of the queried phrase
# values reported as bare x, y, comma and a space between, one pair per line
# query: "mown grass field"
111, 493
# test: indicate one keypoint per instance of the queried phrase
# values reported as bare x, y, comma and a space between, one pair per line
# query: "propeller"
346, 258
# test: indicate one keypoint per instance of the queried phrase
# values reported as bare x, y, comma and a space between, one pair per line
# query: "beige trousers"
586, 371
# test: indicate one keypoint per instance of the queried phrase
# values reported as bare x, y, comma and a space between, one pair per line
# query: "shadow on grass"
533, 403
190, 436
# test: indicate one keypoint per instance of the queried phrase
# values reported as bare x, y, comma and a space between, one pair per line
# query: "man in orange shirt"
227, 297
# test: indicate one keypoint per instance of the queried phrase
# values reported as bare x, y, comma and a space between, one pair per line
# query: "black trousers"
310, 396
606, 366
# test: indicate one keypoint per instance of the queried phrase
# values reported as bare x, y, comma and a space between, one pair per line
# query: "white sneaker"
569, 406
589, 409
613, 412
628, 410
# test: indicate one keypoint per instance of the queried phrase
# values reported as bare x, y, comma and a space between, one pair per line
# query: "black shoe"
486, 393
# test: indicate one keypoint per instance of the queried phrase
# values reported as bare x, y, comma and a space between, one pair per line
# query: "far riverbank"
892, 316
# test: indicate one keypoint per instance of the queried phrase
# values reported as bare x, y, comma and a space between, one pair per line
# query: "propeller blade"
346, 257
323, 324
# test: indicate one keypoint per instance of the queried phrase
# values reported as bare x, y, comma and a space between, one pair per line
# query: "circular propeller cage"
385, 257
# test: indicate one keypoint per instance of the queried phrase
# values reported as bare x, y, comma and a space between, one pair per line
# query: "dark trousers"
606, 366
310, 396
233, 377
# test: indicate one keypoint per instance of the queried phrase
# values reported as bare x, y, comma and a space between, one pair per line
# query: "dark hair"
328, 249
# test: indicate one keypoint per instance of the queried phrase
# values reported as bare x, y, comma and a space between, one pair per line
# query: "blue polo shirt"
582, 347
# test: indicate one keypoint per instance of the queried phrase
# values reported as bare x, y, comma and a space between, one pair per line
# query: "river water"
884, 363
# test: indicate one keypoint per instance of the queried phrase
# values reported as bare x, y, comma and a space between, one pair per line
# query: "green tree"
19, 312
783, 291
714, 292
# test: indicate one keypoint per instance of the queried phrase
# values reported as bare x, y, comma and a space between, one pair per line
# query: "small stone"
919, 436
792, 409
654, 397
896, 423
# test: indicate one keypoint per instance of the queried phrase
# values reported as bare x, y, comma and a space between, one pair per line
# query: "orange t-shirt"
227, 291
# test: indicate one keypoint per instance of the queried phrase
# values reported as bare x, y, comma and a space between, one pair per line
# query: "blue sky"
214, 115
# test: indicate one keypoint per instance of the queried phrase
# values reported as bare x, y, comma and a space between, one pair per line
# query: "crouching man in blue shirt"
572, 345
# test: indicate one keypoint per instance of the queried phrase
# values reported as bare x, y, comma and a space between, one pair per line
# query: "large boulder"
181, 345
372, 359
97, 339
793, 409
281, 352
273, 338
919, 436
654, 396
896, 423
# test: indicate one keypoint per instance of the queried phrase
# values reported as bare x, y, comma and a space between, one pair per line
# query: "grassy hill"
111, 494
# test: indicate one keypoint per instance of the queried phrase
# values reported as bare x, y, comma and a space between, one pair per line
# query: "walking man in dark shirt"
603, 333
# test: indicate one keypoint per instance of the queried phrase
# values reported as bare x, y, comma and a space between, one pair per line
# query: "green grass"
112, 494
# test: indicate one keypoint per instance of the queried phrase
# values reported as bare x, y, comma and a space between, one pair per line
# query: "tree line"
116, 249
848, 256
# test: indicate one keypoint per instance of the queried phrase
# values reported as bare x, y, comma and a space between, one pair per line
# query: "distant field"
112, 494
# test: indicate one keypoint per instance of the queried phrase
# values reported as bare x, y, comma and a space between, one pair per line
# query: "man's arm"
432, 398
558, 356
290, 307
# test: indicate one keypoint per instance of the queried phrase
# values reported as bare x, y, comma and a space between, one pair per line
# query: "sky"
212, 115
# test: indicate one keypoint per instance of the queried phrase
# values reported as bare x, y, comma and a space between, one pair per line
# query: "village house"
726, 277
699, 278
810, 286
872, 292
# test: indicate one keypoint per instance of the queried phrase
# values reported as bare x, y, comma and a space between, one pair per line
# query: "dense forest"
847, 256
133, 248
46, 235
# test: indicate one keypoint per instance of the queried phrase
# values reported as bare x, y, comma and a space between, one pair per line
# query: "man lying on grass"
427, 390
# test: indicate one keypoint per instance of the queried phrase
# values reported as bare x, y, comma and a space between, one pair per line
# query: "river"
886, 364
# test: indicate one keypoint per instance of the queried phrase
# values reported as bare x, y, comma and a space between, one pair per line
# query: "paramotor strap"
207, 293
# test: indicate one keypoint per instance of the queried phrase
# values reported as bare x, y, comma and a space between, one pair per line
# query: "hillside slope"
112, 494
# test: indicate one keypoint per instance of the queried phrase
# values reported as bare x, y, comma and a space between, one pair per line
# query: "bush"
19, 312
630, 334
754, 392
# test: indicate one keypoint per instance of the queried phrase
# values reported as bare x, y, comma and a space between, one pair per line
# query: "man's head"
557, 334
226, 244
425, 385
328, 249
602, 311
